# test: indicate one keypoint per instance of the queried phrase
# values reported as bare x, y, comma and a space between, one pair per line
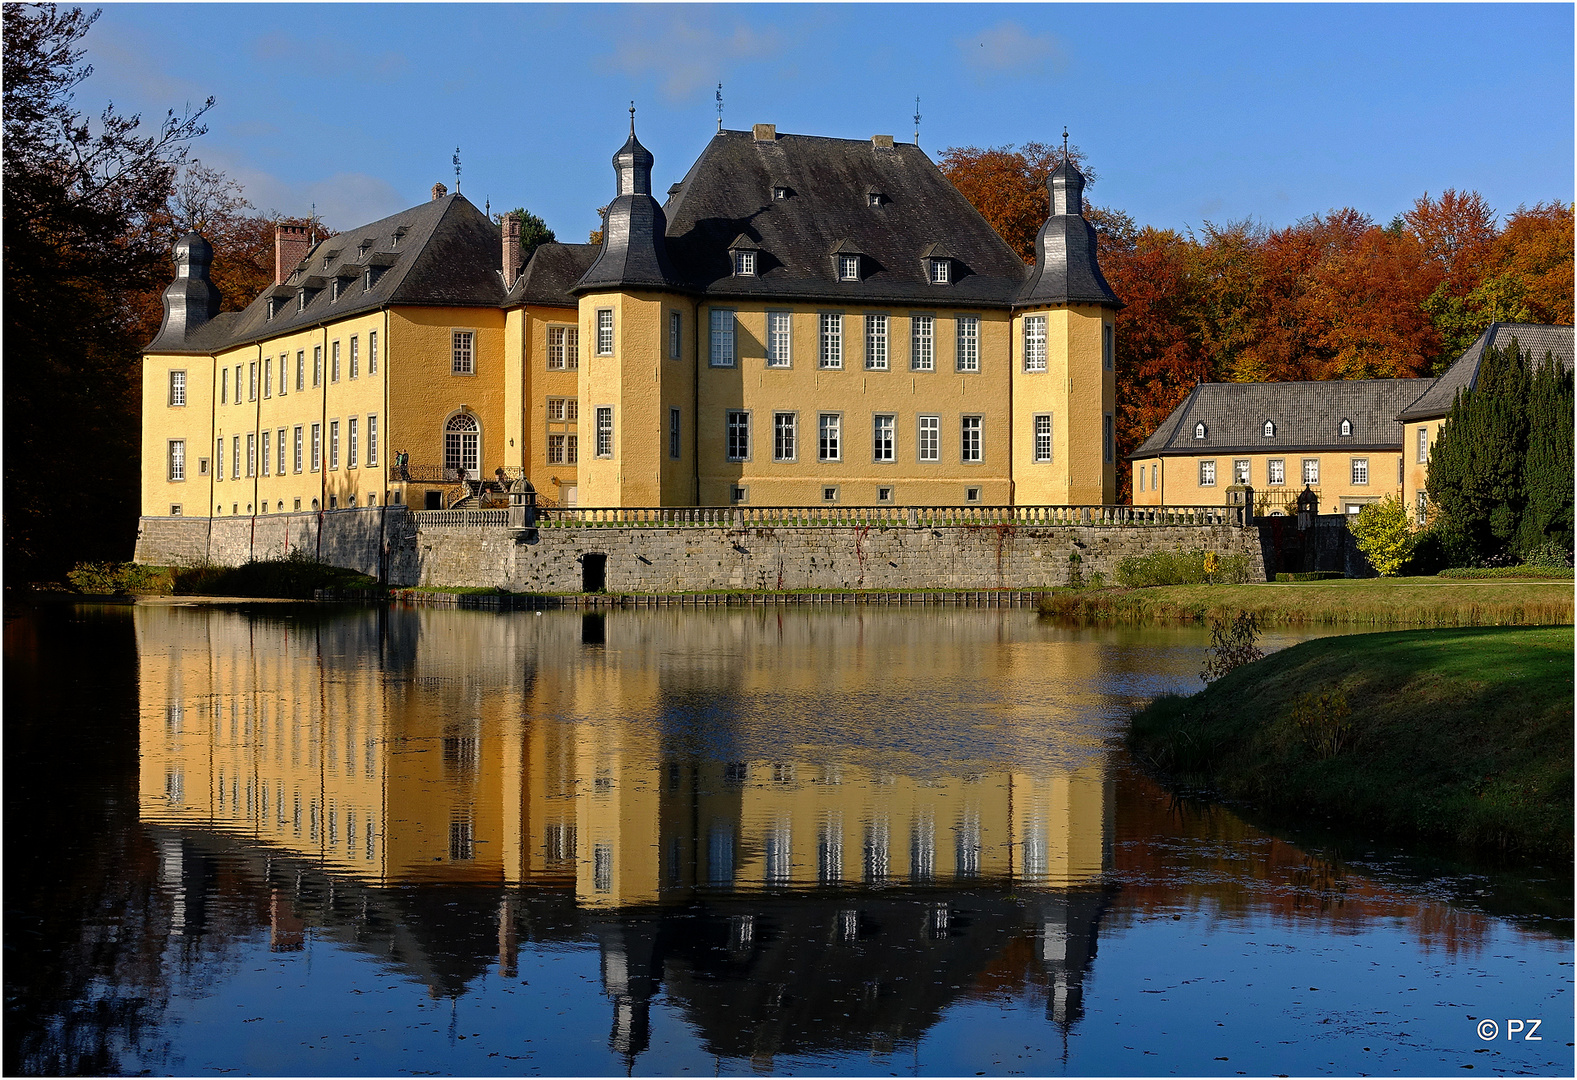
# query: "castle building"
802, 321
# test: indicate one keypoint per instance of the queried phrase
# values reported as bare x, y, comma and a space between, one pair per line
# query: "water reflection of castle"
680, 791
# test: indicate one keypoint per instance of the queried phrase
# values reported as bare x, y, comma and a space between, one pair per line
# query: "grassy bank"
1460, 736
1346, 602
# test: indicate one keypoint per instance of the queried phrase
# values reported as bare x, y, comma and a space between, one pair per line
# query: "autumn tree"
1008, 186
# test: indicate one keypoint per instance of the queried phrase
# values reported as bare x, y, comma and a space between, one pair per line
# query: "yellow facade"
1418, 439
1343, 481
1077, 395
542, 399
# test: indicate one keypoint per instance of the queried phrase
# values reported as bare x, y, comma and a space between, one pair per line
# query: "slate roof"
728, 192
1531, 338
1307, 416
1066, 269
551, 273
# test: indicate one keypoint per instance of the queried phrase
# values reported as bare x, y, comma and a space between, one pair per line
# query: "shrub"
1384, 535
1323, 720
295, 577
1232, 644
1311, 575
1195, 567
119, 578
1478, 573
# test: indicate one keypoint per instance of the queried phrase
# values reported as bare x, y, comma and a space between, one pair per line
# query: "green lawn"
1460, 735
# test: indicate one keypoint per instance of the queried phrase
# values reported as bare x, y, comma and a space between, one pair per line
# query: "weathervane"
313, 221
720, 107
632, 118
917, 119
457, 170
1064, 142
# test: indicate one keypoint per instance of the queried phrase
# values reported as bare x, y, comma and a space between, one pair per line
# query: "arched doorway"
463, 447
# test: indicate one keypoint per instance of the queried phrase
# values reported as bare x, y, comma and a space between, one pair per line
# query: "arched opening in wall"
593, 571
463, 447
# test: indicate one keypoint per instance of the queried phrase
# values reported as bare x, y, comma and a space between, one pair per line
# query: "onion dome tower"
191, 299
1066, 268
634, 249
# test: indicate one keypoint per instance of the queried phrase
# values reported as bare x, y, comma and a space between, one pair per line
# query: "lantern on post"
1308, 506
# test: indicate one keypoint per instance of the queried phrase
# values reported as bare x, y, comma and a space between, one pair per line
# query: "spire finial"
632, 118
457, 170
1064, 142
917, 119
719, 107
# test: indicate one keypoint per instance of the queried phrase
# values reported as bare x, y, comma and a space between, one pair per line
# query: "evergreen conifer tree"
1548, 473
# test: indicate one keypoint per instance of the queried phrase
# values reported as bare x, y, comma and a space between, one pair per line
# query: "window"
1154, 483
219, 459
1035, 343
563, 348
1240, 470
1199, 430
737, 494
235, 457
177, 460
238, 384
722, 338
849, 266
333, 444
1423, 506
284, 374
251, 381
355, 357
972, 494
968, 345
1270, 429
969, 432
922, 343
334, 290
295, 462
372, 441
738, 435
674, 444
202, 466
780, 193
1139, 476
779, 339
463, 360
1276, 472
785, 436
1423, 446
830, 427
268, 378
1207, 474
251, 454
351, 443
875, 343
884, 494
829, 494
930, 440
224, 386
175, 509
744, 264
1311, 470
830, 336
177, 388
1108, 441
268, 458
1360, 470
1108, 348
1043, 440
941, 271
334, 365
558, 449
372, 352
1345, 428
604, 331
605, 431
882, 437
317, 366
301, 371
1401, 472
675, 333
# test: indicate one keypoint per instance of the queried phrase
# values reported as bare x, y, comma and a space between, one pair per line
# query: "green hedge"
1312, 575
1182, 568
1477, 572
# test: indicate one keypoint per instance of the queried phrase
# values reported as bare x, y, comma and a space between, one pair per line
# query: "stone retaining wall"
349, 538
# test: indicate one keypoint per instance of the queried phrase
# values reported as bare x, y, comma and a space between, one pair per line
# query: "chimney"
439, 191
882, 142
766, 132
290, 247
511, 250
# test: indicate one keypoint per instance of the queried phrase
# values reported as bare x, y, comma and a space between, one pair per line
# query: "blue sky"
1188, 113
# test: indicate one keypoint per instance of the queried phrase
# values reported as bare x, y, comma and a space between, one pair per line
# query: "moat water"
297, 840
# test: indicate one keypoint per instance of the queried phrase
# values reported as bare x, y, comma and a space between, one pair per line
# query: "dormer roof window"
780, 193
398, 233
329, 256
1199, 430
744, 264
301, 300
334, 289
1270, 429
938, 264
874, 197
1345, 429
848, 268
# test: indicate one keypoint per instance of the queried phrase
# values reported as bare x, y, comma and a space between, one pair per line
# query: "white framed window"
930, 438
941, 271
1276, 472
557, 447
1035, 343
1423, 446
224, 386
202, 466
301, 371
355, 357
738, 494
219, 459
238, 370
969, 439
744, 264
352, 442
251, 381
317, 447
604, 424
1043, 441
876, 343
1207, 474
675, 443
1108, 437
829, 493
967, 351
177, 388
1345, 427
972, 494
848, 268
604, 331
334, 365
176, 457
829, 427
1200, 430
922, 343
738, 437
883, 437
296, 443
1423, 507
780, 338
268, 457
785, 436
268, 378
1360, 470
1108, 348
317, 366
675, 334
1139, 477
284, 374
830, 339
372, 352
235, 457
563, 348
1311, 470
723, 354
175, 509
372, 441
333, 444
463, 353
1240, 470
1270, 429
251, 454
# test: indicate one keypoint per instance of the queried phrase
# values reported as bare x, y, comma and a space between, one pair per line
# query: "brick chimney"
511, 250
765, 132
290, 247
439, 191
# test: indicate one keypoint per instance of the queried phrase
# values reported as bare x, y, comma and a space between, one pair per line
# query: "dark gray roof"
551, 273
634, 251
1066, 269
1307, 416
728, 192
1532, 338
190, 300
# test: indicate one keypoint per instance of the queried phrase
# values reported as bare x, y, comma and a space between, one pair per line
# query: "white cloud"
1007, 49
343, 200
689, 50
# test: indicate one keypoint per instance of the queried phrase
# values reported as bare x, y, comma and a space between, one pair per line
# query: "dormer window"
1346, 427
364, 246
873, 198
941, 271
848, 268
780, 193
744, 264
301, 300
398, 234
273, 306
369, 278
334, 290
1270, 429
1199, 430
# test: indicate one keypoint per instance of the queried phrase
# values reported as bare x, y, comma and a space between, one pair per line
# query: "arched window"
1270, 429
1199, 430
462, 447
1346, 428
